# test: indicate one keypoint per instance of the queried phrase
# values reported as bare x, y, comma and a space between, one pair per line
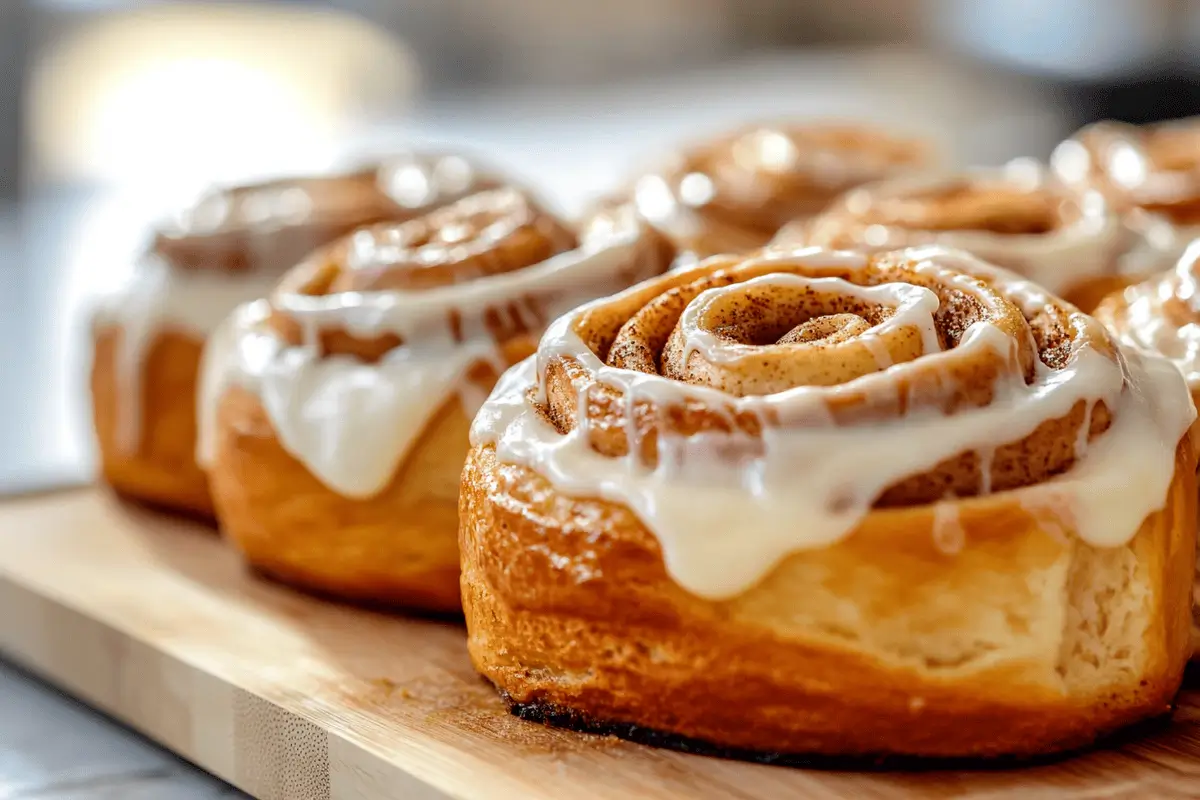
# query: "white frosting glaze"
1097, 243
724, 523
156, 298
350, 423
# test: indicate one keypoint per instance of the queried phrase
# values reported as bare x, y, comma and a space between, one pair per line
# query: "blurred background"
113, 112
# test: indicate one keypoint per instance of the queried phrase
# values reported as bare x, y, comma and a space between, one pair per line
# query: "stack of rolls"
335, 413
809, 502
229, 248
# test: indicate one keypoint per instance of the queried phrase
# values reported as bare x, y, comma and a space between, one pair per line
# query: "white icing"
156, 298
724, 522
352, 423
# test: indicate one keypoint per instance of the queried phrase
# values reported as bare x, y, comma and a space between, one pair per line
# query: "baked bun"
1150, 174
732, 193
335, 414
231, 247
1018, 216
808, 502
1162, 315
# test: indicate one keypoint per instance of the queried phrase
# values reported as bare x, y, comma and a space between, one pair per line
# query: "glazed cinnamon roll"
1151, 174
1162, 315
811, 502
733, 193
231, 247
1017, 216
335, 414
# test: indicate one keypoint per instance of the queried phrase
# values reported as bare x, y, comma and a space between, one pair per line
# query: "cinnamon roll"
1017, 216
812, 502
229, 248
733, 193
335, 414
1162, 315
1151, 174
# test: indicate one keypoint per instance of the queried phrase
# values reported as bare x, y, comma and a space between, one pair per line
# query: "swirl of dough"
806, 384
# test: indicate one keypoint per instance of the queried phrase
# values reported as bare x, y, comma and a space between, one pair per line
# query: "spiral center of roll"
782, 331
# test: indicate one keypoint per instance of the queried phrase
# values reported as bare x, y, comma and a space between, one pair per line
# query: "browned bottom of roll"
557, 717
1018, 640
397, 548
146, 422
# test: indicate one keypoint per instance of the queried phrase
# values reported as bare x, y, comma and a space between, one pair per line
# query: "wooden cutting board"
154, 621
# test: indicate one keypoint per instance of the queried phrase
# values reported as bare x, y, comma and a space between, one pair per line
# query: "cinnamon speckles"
890, 332
764, 336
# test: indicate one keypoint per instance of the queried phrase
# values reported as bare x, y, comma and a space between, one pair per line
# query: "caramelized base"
1017, 641
154, 461
397, 548
557, 717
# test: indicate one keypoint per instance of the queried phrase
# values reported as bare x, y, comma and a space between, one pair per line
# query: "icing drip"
157, 298
724, 506
948, 533
350, 422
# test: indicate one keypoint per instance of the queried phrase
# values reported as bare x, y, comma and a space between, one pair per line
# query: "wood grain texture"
154, 621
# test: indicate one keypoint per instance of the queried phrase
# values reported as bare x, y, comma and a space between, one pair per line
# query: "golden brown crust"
848, 649
396, 548
265, 228
965, 608
732, 193
150, 456
1160, 315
